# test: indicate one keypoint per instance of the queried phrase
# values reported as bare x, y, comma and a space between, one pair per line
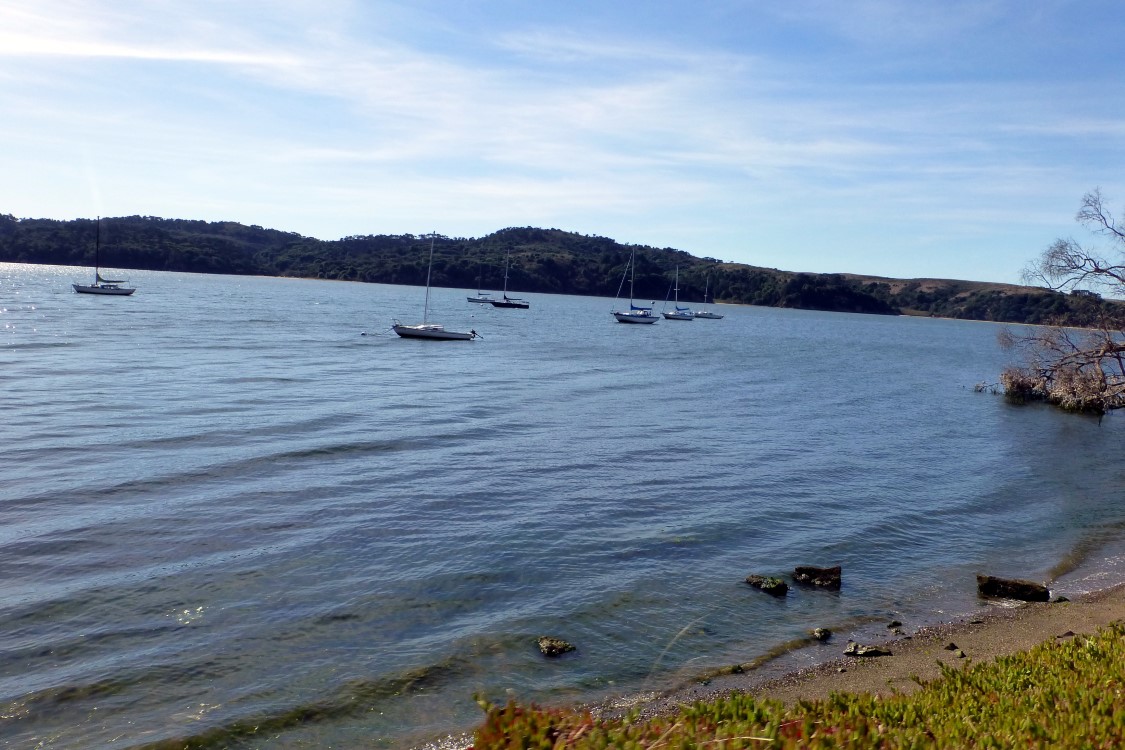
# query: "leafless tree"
1080, 369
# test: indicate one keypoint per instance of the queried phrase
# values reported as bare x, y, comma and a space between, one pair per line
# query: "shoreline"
1001, 628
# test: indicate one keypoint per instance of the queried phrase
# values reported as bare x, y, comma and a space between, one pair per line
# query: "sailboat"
425, 329
481, 297
680, 313
707, 313
509, 301
634, 314
100, 285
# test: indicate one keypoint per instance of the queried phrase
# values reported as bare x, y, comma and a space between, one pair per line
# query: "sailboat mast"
97, 249
429, 270
632, 275
507, 260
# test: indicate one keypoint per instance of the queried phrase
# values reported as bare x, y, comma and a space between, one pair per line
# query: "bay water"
240, 512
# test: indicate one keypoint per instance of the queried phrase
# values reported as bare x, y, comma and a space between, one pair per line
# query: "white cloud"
306, 115
61, 29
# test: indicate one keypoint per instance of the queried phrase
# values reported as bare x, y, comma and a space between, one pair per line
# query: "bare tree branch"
1095, 217
1082, 370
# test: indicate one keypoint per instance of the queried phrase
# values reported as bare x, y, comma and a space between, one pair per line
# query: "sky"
908, 139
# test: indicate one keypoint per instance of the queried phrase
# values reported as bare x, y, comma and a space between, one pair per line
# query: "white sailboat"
634, 314
707, 313
513, 302
679, 313
102, 286
426, 329
481, 298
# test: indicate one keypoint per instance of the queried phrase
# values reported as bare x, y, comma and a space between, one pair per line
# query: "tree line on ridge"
542, 261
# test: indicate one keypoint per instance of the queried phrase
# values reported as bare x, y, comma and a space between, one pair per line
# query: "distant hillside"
542, 260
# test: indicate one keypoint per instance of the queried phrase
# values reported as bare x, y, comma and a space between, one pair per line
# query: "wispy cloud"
340, 117
62, 29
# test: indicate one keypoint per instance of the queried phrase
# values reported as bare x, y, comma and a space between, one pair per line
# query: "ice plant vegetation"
1078, 369
1067, 693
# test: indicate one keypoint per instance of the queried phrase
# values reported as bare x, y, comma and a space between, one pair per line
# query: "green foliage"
1067, 694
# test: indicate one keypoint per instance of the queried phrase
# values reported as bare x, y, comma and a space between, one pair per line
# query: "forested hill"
542, 260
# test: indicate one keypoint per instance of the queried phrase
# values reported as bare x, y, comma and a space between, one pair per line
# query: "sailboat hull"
433, 332
707, 314
635, 317
512, 303
110, 289
481, 299
635, 314
425, 329
678, 313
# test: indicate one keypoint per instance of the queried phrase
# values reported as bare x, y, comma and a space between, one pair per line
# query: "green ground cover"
1068, 693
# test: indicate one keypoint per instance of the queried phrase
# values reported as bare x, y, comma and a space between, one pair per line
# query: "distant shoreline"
543, 261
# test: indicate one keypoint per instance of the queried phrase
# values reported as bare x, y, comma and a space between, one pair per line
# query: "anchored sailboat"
100, 285
707, 313
509, 301
481, 297
680, 313
634, 314
425, 329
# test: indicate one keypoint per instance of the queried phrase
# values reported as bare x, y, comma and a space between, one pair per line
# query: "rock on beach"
1012, 588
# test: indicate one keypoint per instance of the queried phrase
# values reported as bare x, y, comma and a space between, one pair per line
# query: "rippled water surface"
228, 517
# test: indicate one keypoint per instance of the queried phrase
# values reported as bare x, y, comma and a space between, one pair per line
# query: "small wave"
223, 437
258, 379
1086, 546
776, 653
220, 471
52, 699
43, 701
354, 698
39, 345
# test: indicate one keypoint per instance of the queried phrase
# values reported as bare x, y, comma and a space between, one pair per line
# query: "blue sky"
906, 139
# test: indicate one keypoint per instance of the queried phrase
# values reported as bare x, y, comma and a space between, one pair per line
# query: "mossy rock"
549, 646
825, 578
772, 586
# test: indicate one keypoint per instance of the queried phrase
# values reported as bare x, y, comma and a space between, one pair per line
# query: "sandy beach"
997, 631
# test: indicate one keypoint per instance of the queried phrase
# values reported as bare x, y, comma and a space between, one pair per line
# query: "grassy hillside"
542, 260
